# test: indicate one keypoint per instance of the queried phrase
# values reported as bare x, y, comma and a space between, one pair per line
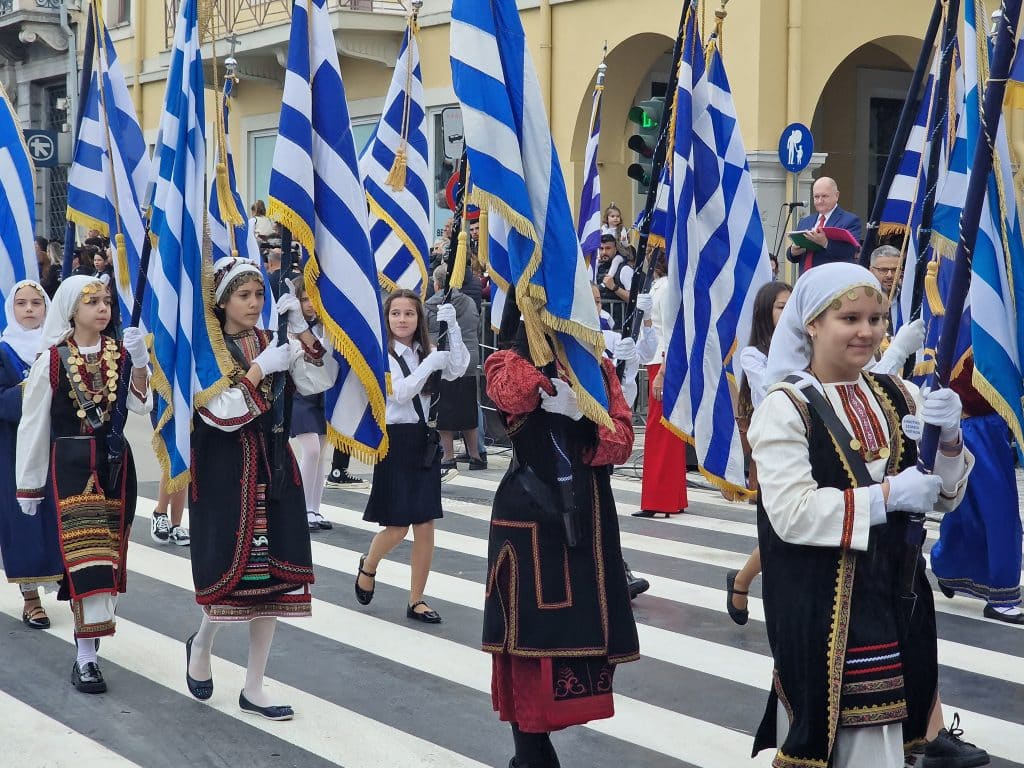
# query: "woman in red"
557, 618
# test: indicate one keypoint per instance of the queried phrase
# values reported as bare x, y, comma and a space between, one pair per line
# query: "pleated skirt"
405, 492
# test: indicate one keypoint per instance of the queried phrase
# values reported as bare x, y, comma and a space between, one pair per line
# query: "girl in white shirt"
407, 482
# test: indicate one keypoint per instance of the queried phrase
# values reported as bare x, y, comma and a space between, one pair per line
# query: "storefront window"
446, 149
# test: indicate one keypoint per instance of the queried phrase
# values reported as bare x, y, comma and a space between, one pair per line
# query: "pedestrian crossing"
372, 689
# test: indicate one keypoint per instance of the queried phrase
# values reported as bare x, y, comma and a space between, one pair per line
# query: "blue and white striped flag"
111, 166
17, 205
231, 231
588, 229
316, 192
717, 260
497, 266
516, 175
396, 174
186, 368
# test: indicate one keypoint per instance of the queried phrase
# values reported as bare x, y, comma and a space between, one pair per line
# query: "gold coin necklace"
95, 378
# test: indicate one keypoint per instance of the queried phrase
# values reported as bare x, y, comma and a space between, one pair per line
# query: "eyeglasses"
886, 270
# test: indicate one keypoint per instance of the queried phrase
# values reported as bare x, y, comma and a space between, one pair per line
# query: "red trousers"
664, 481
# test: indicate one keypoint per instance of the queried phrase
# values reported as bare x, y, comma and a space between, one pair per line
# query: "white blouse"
754, 362
800, 511
399, 408
658, 319
32, 461
234, 407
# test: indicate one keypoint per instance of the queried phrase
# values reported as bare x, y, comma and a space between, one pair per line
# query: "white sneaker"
179, 536
160, 528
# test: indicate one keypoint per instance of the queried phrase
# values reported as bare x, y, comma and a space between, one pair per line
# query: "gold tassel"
396, 176
123, 276
931, 289
228, 210
461, 258
482, 247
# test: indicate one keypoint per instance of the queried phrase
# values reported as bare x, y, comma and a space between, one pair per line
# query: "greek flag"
717, 260
1015, 85
316, 191
231, 231
188, 369
497, 265
17, 205
396, 175
516, 175
588, 228
111, 165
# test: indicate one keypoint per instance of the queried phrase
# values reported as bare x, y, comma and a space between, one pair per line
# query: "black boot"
637, 586
533, 750
948, 750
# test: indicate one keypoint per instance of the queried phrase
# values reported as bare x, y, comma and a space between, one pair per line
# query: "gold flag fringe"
890, 228
228, 210
403, 237
731, 491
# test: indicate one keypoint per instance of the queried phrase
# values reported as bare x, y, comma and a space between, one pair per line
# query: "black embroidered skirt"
404, 492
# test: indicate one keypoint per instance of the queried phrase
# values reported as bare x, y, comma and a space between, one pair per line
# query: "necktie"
821, 221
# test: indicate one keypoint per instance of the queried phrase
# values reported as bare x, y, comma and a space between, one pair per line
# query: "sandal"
738, 615
364, 596
33, 614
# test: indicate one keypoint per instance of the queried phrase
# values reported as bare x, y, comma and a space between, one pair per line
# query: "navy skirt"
308, 415
404, 492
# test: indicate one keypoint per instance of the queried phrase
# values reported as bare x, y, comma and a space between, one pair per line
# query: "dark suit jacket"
834, 251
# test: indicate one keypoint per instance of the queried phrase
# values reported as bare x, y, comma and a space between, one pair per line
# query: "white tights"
261, 635
314, 463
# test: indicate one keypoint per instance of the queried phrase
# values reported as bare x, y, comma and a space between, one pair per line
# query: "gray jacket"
469, 322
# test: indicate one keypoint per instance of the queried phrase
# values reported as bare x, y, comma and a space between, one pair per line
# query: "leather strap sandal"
738, 615
364, 596
33, 614
428, 616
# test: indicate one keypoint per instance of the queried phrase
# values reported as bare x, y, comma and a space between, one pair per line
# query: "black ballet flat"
270, 713
644, 513
364, 596
201, 689
738, 615
950, 593
992, 613
427, 617
88, 678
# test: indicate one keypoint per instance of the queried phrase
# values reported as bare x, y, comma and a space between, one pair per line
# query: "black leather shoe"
948, 750
644, 513
271, 713
364, 596
477, 464
88, 678
427, 617
637, 586
201, 689
1012, 618
738, 615
950, 593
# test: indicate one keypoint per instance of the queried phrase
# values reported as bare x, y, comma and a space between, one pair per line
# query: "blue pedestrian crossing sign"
795, 147
42, 147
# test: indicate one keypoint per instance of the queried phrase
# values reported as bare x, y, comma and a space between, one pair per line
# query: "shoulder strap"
406, 372
842, 436
85, 404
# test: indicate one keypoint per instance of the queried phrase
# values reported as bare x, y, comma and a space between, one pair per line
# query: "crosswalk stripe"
353, 740
676, 648
24, 727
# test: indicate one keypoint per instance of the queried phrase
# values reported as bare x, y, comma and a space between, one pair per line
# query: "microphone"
796, 204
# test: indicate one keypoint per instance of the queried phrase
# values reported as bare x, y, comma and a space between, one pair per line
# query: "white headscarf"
226, 269
790, 350
27, 344
58, 319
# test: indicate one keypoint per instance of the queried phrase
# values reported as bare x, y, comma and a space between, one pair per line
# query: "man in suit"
827, 214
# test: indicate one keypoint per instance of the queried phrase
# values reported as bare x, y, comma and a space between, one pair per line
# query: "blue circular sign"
795, 147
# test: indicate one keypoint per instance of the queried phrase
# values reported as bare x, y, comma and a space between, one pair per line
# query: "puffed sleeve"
458, 358
800, 511
754, 364
313, 370
140, 402
235, 407
514, 383
32, 460
615, 443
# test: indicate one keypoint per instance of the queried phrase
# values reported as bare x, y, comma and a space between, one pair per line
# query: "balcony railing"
10, 6
242, 16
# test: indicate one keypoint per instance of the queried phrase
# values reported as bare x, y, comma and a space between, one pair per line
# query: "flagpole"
86, 78
899, 140
644, 269
970, 218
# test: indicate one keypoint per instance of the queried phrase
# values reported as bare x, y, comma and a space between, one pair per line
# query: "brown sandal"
34, 616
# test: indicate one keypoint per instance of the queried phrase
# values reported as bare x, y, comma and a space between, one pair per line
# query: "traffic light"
647, 115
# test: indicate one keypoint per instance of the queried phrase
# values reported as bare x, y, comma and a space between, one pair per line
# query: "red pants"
664, 481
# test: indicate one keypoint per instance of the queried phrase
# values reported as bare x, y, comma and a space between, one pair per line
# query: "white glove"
562, 402
29, 506
913, 491
625, 350
909, 338
274, 359
942, 408
446, 314
436, 360
645, 303
289, 306
135, 343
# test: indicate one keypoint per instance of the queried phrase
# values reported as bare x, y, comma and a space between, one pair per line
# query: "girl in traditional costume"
251, 558
407, 482
62, 457
557, 618
31, 556
855, 661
